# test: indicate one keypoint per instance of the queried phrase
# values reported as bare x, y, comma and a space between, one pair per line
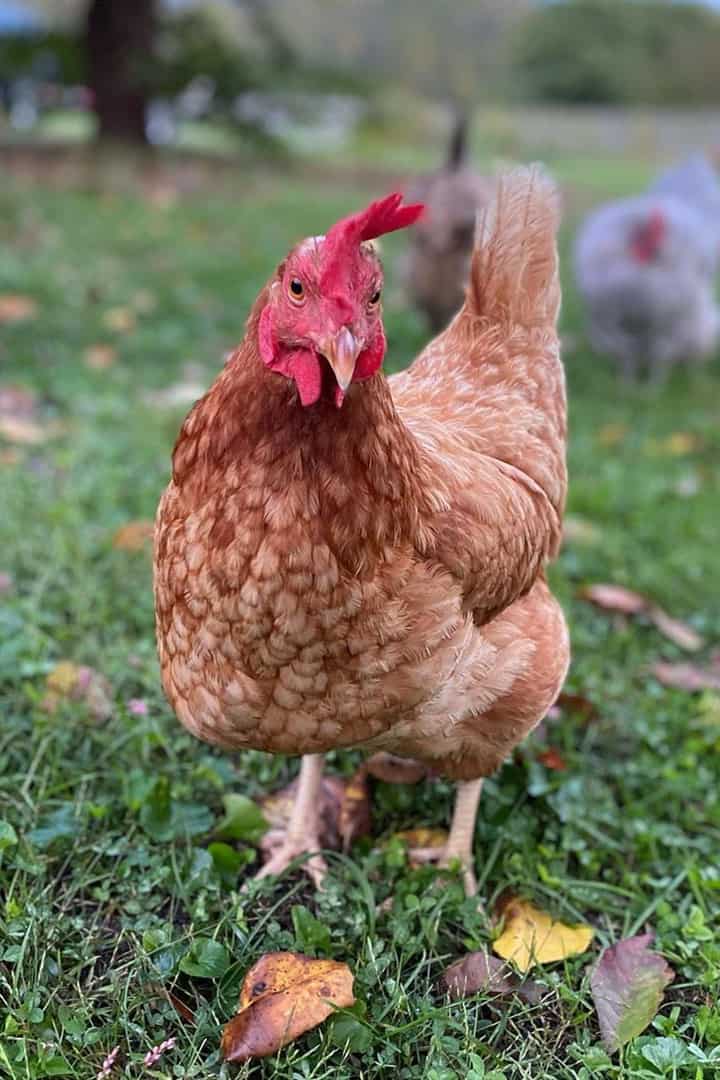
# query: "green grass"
104, 902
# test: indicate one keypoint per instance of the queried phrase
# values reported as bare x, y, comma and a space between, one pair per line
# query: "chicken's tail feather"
514, 276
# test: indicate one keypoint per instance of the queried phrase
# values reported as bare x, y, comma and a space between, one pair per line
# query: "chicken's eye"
375, 298
296, 290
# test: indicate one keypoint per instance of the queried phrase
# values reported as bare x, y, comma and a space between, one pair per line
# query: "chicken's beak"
341, 353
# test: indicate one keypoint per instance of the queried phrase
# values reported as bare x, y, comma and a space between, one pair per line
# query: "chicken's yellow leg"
302, 836
462, 832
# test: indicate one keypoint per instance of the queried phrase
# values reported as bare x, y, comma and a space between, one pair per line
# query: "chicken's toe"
290, 848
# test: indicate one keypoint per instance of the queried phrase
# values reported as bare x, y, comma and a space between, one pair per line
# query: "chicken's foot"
459, 846
462, 831
302, 836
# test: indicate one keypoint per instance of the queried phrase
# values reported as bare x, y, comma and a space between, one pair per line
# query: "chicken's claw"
284, 848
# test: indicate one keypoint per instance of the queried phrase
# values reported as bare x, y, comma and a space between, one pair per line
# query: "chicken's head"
322, 325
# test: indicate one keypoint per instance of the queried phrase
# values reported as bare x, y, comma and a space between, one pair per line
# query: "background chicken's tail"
458, 145
514, 276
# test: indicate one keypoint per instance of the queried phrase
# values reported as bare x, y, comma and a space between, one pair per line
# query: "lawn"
109, 892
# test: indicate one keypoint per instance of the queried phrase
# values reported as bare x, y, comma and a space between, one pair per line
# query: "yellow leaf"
422, 837
100, 357
76, 682
121, 320
611, 434
283, 996
533, 937
15, 308
135, 536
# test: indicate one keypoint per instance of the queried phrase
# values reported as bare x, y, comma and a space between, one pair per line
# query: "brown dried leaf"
100, 357
676, 631
277, 809
396, 770
77, 682
615, 598
283, 996
627, 987
17, 401
688, 677
15, 308
134, 536
552, 759
626, 602
480, 971
577, 703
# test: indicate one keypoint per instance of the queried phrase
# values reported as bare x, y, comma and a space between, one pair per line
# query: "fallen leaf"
578, 530
77, 682
552, 759
678, 444
100, 357
17, 429
283, 996
277, 810
480, 971
615, 598
396, 770
134, 536
577, 703
688, 677
344, 811
627, 987
626, 602
423, 845
676, 631
533, 937
120, 319
612, 434
15, 308
354, 817
17, 401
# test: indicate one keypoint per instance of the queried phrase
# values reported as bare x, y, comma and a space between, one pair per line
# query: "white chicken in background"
695, 181
645, 268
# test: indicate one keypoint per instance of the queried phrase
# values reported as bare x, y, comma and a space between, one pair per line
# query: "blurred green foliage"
619, 52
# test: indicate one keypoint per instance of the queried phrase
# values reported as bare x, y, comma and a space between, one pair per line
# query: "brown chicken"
346, 560
437, 263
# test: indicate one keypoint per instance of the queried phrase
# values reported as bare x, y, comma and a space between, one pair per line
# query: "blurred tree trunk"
119, 37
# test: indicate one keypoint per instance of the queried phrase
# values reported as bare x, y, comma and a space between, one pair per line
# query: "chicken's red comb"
383, 216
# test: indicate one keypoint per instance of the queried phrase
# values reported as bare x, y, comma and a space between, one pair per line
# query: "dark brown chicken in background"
343, 559
437, 264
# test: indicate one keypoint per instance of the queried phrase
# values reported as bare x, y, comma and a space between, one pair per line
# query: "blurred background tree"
277, 67
619, 52
119, 48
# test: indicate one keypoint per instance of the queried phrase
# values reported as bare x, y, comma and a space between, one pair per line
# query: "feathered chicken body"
645, 267
347, 560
